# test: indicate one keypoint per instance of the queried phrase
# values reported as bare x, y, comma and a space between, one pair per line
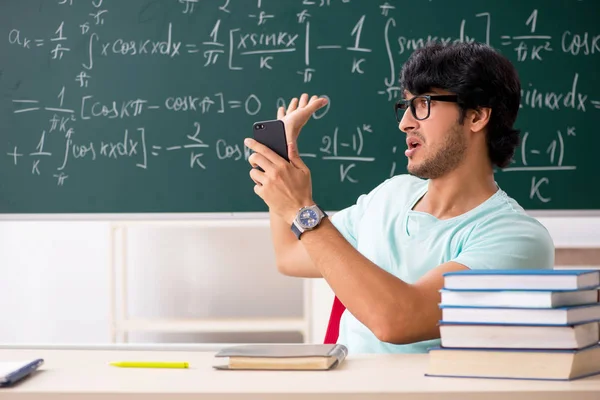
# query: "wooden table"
85, 374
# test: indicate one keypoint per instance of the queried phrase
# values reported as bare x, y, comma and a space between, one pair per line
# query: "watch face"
308, 218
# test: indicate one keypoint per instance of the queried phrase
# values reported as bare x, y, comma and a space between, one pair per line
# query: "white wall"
53, 283
54, 279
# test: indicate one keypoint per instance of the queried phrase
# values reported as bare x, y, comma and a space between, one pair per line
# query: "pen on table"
149, 364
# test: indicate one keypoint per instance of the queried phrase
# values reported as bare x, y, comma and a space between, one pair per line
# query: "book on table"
14, 371
520, 324
514, 363
283, 356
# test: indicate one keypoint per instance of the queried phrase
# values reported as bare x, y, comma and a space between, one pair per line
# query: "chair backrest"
333, 327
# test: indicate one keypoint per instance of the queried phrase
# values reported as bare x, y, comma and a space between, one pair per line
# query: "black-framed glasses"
420, 106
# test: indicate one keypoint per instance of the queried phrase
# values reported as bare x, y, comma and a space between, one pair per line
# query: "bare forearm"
290, 255
388, 306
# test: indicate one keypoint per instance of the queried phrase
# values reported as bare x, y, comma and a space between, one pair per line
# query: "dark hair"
481, 77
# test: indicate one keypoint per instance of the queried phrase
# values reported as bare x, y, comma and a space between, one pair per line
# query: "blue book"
12, 372
499, 363
520, 279
521, 315
518, 298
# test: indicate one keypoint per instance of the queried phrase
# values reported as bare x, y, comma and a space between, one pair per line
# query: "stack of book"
519, 324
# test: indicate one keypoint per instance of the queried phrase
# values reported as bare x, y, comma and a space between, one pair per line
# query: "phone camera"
259, 126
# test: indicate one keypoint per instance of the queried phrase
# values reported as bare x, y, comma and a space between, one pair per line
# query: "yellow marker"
149, 364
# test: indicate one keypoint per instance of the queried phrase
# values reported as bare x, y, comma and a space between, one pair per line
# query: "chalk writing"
171, 85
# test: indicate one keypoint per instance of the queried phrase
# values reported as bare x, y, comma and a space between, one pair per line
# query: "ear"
479, 118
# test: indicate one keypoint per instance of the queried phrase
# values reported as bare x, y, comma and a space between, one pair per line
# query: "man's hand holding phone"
284, 186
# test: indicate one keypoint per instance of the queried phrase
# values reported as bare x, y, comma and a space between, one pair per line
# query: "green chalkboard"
141, 106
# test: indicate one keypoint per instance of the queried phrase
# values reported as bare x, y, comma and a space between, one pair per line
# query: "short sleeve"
513, 241
347, 220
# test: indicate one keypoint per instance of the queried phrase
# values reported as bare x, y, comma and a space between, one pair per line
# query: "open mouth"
413, 146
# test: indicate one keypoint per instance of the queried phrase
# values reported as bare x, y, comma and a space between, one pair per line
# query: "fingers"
257, 176
293, 105
303, 100
258, 160
316, 104
262, 154
258, 190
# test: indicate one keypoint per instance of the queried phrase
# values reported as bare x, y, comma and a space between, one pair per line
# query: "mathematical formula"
222, 46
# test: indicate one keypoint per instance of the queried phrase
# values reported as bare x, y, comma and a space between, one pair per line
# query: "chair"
333, 327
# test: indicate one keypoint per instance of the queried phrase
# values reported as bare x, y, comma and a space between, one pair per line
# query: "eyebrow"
427, 93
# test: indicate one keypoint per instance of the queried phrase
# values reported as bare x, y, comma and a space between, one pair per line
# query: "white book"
519, 336
518, 299
544, 316
515, 279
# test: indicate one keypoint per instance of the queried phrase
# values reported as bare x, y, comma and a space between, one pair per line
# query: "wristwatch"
307, 219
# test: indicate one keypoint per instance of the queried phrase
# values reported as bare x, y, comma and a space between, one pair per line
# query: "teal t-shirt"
406, 243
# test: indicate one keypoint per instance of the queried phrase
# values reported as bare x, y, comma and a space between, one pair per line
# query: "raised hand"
297, 114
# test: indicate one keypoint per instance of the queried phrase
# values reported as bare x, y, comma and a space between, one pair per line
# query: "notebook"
283, 356
515, 279
13, 371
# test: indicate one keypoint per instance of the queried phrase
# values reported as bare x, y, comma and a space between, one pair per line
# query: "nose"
408, 122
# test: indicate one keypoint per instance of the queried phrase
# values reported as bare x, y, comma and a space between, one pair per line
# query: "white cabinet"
197, 261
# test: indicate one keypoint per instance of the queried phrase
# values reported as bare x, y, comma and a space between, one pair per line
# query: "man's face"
436, 145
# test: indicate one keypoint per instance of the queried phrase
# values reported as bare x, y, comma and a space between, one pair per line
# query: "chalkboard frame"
545, 15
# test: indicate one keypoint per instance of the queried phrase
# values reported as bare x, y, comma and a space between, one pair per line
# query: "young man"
384, 257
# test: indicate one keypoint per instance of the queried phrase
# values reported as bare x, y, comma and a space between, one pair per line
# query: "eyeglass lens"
419, 106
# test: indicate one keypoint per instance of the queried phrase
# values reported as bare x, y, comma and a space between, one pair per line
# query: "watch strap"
297, 230
323, 211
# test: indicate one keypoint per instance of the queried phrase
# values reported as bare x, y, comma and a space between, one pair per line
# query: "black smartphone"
272, 135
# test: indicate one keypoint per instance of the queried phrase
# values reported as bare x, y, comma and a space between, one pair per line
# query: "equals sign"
234, 103
39, 42
192, 48
155, 148
596, 103
506, 39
